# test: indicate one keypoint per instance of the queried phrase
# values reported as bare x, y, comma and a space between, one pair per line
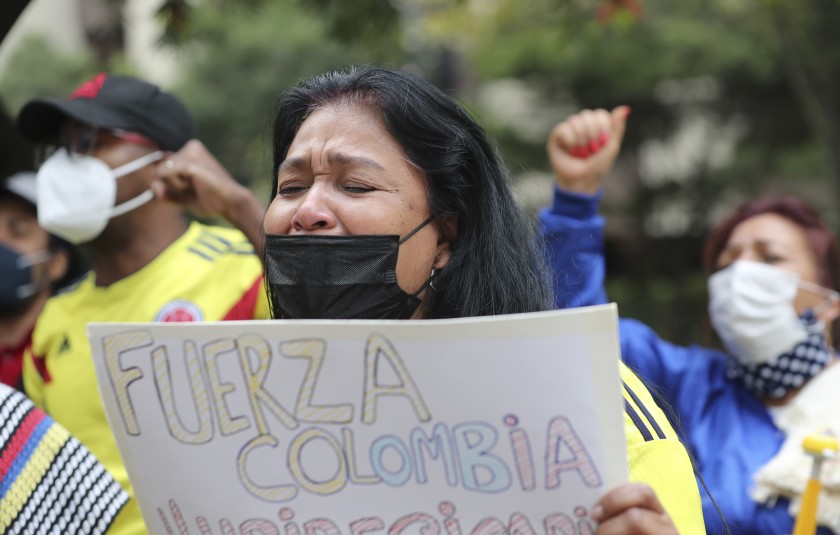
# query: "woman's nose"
314, 212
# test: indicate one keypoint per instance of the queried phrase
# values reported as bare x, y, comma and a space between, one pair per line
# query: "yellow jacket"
657, 457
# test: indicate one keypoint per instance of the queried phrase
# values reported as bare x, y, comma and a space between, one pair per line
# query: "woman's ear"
57, 265
447, 233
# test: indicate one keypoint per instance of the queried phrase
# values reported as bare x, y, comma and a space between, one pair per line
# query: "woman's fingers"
626, 496
587, 132
583, 148
638, 522
631, 508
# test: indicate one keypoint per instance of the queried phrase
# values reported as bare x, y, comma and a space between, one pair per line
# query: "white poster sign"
481, 426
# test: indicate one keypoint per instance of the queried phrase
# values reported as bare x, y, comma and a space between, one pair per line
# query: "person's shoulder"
656, 456
65, 312
210, 242
72, 290
644, 419
225, 232
638, 337
635, 332
65, 301
222, 255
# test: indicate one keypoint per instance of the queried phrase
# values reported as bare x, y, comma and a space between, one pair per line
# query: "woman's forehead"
340, 116
771, 231
768, 227
343, 134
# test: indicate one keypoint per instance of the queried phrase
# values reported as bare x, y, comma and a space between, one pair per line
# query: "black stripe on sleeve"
648, 415
199, 253
640, 425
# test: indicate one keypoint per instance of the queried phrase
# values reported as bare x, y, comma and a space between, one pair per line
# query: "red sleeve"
40, 365
244, 308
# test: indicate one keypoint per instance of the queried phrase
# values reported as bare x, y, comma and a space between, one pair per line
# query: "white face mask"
77, 194
751, 309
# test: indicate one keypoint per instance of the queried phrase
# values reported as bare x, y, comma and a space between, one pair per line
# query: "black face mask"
338, 277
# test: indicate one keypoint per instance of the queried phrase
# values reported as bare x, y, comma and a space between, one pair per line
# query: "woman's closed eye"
357, 188
289, 190
771, 254
772, 259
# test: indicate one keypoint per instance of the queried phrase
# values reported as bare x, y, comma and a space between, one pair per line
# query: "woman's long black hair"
497, 265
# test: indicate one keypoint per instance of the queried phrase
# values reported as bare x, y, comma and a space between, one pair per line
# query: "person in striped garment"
49, 482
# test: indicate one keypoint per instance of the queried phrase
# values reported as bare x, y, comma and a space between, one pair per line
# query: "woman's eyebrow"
293, 163
338, 158
345, 159
770, 242
333, 158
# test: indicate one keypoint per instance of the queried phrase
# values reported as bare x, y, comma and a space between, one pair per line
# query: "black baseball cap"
113, 101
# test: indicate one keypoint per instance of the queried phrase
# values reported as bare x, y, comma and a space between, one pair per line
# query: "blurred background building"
99, 27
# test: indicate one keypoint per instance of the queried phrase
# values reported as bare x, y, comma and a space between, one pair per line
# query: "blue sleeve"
573, 234
685, 376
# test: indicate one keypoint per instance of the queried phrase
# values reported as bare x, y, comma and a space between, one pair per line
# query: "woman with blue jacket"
742, 412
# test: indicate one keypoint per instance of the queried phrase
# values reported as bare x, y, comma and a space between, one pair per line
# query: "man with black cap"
120, 166
33, 265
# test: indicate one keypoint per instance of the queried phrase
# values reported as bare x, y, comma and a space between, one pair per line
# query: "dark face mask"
17, 285
337, 277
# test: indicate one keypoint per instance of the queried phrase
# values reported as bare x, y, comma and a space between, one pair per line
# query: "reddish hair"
821, 240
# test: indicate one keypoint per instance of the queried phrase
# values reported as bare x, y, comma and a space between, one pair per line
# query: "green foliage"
623, 55
373, 22
175, 17
34, 70
38, 70
238, 60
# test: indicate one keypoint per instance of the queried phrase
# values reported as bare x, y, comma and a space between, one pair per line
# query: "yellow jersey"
208, 274
657, 457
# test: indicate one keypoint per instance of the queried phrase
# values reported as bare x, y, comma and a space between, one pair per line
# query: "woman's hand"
584, 147
632, 508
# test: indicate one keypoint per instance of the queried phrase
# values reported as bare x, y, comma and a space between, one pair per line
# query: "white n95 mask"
751, 309
77, 194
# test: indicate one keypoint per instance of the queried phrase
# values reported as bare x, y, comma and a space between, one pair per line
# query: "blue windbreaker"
725, 427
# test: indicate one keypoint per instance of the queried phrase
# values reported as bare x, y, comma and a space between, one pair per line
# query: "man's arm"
195, 179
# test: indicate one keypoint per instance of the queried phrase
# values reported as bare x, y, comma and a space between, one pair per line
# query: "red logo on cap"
90, 88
